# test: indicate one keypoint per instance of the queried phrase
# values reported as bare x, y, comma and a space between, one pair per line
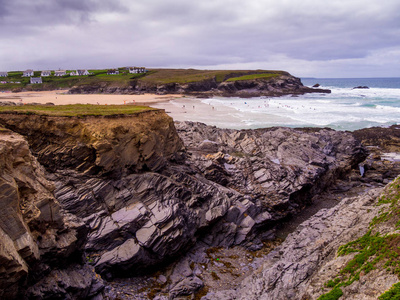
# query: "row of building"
59, 73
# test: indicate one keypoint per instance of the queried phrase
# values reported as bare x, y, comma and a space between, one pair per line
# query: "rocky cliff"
284, 84
36, 235
347, 252
140, 198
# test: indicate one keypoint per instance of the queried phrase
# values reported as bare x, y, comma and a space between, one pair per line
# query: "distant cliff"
205, 83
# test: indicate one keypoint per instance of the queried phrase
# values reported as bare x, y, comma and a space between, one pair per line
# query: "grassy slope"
153, 77
75, 110
373, 250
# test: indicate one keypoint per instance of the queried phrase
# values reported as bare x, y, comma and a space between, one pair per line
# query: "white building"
60, 73
35, 80
27, 73
83, 72
137, 70
112, 72
45, 73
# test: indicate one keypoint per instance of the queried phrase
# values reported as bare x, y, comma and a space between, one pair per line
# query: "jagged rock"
301, 265
280, 167
74, 282
186, 287
145, 200
115, 145
35, 234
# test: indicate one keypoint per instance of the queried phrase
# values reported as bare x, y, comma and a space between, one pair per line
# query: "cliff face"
144, 199
35, 234
284, 84
116, 146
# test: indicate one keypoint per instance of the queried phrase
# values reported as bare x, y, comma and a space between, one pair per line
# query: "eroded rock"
36, 235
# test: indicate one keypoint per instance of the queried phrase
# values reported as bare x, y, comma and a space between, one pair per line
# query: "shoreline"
60, 97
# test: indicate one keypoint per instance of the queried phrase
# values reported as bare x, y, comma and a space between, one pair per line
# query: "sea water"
345, 108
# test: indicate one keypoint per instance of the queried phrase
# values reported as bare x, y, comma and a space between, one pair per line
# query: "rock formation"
285, 84
307, 265
36, 235
134, 197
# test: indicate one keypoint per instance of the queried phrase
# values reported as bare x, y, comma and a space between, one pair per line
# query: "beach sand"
179, 107
60, 97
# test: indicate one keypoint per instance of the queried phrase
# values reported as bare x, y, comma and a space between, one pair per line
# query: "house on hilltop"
27, 73
45, 73
112, 72
3, 74
60, 73
36, 80
79, 73
83, 72
137, 70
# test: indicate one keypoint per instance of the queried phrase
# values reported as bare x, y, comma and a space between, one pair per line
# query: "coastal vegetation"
78, 110
254, 76
374, 250
16, 82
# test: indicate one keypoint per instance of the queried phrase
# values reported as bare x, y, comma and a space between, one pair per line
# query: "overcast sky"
308, 38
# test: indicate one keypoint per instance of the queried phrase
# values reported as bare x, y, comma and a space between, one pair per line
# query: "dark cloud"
229, 33
26, 13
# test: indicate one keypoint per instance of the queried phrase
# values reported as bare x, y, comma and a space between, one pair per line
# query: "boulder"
360, 87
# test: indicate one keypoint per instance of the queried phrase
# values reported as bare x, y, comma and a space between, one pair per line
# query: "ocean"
344, 109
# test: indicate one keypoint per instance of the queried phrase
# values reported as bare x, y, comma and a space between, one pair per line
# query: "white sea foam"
344, 109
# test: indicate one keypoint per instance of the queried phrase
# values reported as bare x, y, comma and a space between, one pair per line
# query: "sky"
308, 38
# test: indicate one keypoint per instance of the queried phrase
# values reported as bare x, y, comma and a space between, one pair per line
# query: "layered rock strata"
36, 235
307, 260
145, 199
285, 84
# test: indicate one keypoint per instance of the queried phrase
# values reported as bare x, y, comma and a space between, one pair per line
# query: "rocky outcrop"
114, 146
307, 260
280, 167
232, 185
145, 199
35, 234
284, 84
380, 139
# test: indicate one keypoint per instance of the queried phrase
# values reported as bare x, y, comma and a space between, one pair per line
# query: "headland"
121, 202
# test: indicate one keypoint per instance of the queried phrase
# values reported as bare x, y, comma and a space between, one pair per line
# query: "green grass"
124, 79
253, 77
334, 294
165, 76
392, 294
78, 110
373, 251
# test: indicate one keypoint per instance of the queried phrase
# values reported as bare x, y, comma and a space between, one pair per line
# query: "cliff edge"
204, 83
144, 191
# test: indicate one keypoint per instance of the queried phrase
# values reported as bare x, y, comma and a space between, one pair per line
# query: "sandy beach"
60, 97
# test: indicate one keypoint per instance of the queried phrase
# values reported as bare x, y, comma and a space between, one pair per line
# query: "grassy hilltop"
15, 81
75, 110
